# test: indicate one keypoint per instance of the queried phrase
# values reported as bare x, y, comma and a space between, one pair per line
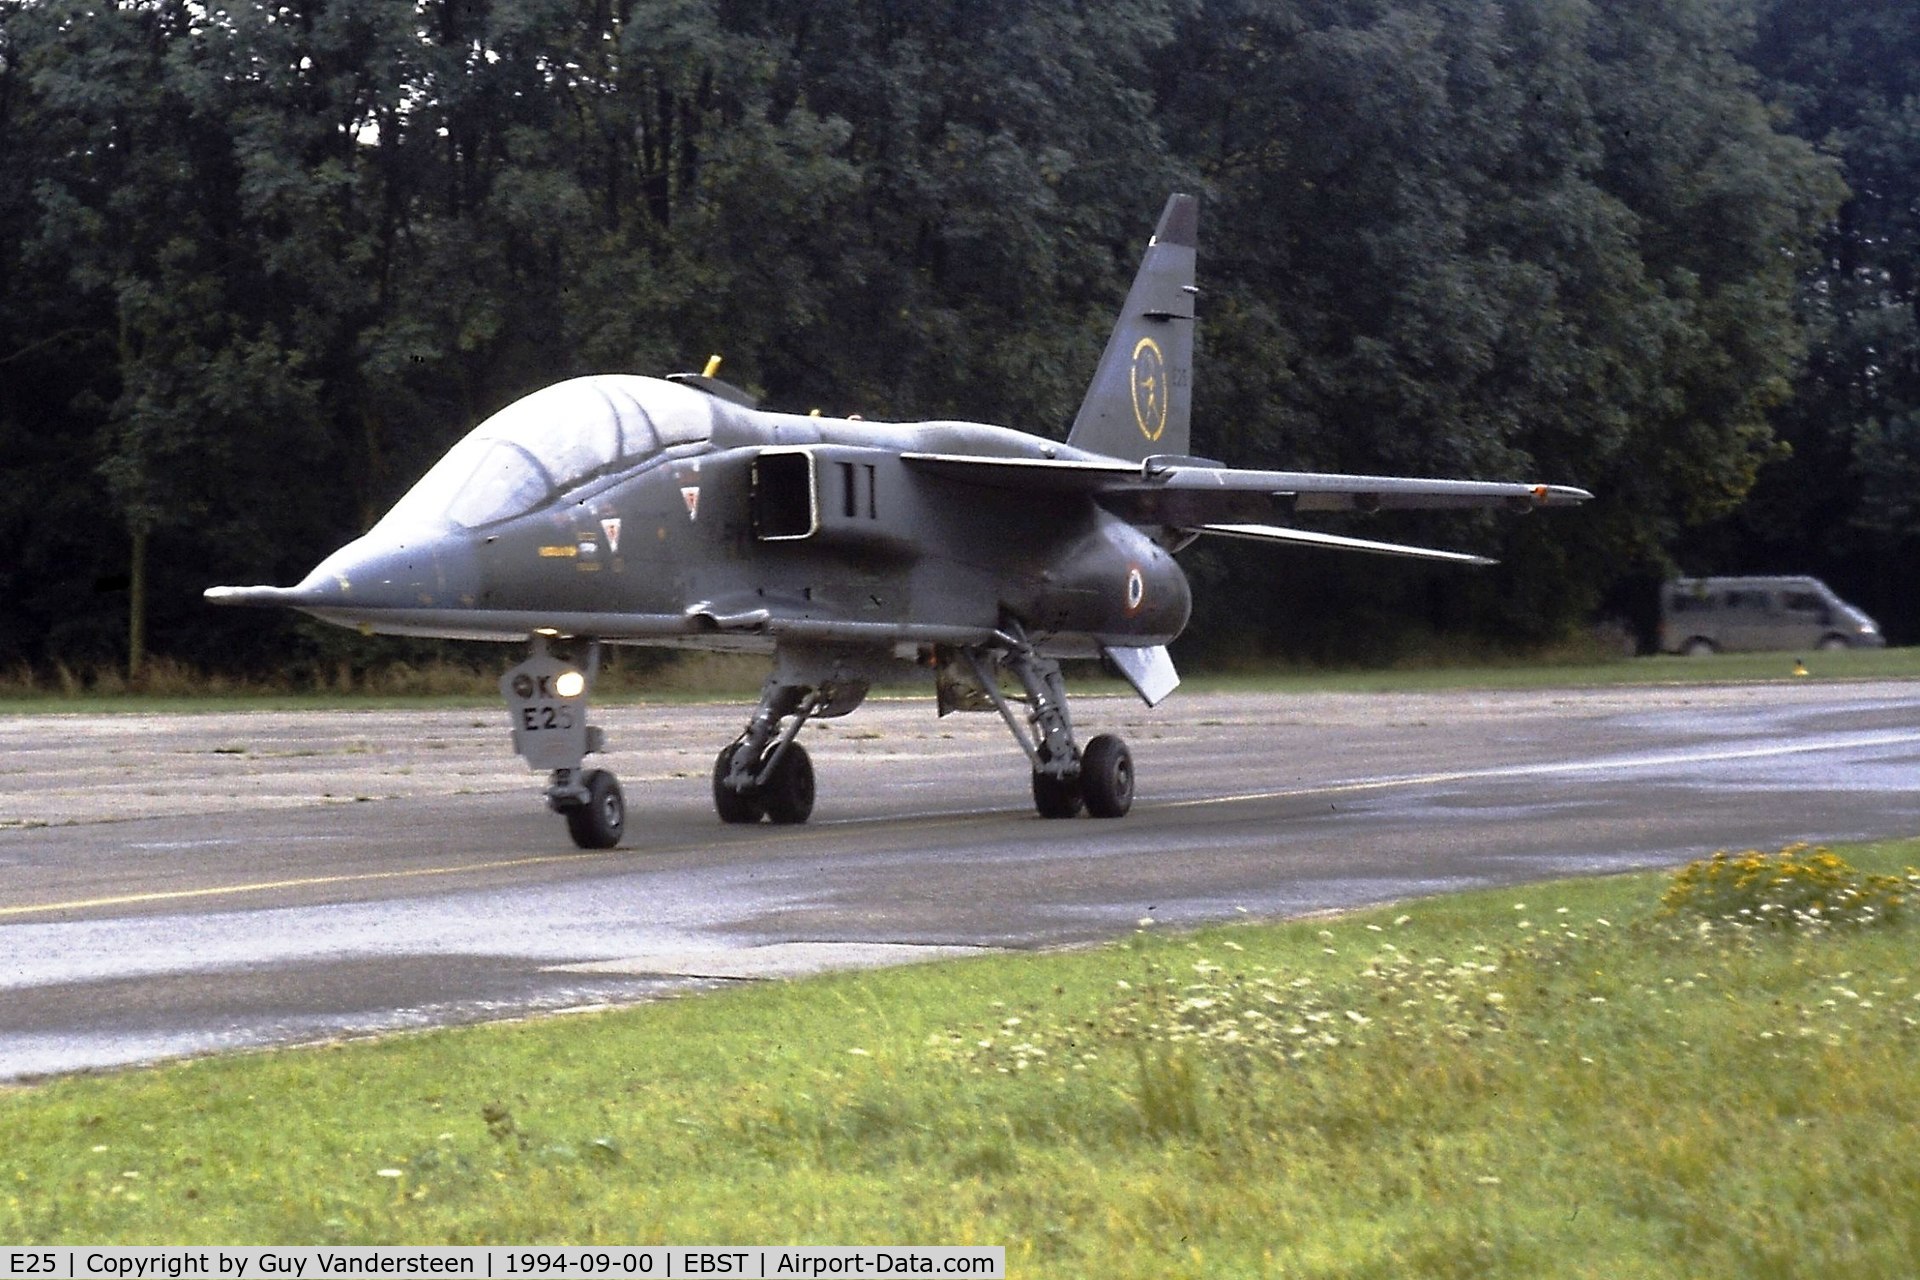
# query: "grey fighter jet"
619, 509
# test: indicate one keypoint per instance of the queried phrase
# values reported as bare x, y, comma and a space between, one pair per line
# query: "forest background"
260, 263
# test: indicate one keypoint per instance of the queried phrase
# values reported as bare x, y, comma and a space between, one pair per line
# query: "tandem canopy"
550, 442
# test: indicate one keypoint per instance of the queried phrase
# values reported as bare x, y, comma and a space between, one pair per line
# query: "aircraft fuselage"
774, 526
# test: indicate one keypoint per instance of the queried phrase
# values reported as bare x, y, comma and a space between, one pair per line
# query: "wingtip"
1559, 495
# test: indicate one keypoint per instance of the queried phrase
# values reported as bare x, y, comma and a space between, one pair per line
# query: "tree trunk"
137, 607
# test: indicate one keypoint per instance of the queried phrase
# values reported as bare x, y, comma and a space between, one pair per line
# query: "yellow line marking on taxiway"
307, 882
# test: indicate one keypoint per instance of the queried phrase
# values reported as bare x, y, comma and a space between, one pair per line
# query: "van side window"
1802, 602
1747, 599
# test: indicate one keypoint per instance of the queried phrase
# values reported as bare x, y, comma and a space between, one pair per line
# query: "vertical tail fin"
1141, 397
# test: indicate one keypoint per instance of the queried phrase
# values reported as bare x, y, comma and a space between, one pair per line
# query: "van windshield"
549, 442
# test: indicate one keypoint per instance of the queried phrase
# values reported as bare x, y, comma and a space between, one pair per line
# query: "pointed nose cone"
396, 569
382, 572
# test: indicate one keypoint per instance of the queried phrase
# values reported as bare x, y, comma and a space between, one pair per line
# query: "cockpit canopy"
552, 441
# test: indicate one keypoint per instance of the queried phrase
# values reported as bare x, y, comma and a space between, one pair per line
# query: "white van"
1708, 615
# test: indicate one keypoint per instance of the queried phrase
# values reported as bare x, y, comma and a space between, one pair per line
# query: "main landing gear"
764, 773
546, 701
1065, 778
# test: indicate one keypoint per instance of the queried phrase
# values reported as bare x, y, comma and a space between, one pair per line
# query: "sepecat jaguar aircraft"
619, 509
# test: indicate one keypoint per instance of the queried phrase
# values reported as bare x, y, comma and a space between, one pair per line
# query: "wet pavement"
185, 884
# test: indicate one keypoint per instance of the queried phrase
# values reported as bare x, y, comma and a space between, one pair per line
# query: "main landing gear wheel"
784, 797
1055, 797
788, 793
742, 807
598, 823
1106, 777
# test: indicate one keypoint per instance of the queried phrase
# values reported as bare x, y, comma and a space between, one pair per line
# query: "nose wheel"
599, 821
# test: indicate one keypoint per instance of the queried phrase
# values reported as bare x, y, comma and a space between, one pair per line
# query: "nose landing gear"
546, 701
600, 821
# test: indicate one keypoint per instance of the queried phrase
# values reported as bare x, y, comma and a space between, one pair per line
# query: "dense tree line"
261, 262
1845, 502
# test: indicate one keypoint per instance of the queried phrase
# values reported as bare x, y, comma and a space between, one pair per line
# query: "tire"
600, 822
1833, 644
1056, 797
1698, 647
1106, 777
788, 794
733, 806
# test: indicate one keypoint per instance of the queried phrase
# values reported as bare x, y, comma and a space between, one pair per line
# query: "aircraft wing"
1199, 497
1177, 485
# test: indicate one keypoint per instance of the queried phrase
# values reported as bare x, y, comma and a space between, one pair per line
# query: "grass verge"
171, 687
1581, 671
702, 677
1560, 1080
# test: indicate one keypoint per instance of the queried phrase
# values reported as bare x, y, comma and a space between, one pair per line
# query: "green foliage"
1842, 504
1498, 239
1798, 888
264, 263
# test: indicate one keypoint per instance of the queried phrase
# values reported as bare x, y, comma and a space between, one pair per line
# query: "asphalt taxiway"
182, 884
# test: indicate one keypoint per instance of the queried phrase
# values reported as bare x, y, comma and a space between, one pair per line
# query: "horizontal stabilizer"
1334, 542
1322, 491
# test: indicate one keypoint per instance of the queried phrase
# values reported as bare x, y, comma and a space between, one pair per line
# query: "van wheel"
1697, 647
1830, 643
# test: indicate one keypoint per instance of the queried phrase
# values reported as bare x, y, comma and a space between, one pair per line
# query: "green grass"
1557, 1080
737, 678
171, 688
1580, 670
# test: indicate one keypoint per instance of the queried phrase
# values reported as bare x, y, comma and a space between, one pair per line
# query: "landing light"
569, 684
